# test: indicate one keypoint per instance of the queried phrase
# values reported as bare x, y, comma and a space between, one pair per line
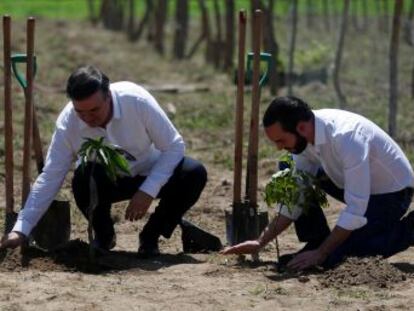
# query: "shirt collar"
320, 137
116, 113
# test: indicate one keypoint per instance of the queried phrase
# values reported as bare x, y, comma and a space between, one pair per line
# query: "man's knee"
197, 177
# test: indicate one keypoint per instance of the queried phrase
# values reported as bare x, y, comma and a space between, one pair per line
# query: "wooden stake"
238, 148
28, 117
8, 116
254, 121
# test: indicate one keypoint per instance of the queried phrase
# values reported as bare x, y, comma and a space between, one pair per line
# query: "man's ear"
302, 128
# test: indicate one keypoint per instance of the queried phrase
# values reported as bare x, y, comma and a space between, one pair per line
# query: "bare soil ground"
177, 281
65, 280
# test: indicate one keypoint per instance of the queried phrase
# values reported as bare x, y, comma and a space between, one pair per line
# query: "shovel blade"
197, 240
54, 227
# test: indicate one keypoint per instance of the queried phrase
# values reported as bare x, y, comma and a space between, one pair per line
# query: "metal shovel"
245, 221
11, 215
54, 227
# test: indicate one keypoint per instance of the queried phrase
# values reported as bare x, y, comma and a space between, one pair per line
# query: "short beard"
301, 144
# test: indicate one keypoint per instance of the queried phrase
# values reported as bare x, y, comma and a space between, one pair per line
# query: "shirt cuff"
23, 227
293, 214
350, 221
150, 187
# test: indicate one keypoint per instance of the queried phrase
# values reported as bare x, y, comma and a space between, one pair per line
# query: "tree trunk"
131, 18
217, 43
112, 13
271, 46
292, 43
364, 14
412, 83
181, 28
394, 44
326, 15
160, 20
309, 14
383, 16
338, 55
93, 17
229, 43
135, 34
205, 34
354, 14
409, 25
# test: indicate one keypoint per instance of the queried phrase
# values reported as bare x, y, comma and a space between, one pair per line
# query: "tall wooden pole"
254, 121
238, 144
8, 116
28, 117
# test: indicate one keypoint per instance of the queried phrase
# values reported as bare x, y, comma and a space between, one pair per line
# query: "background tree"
205, 33
230, 38
409, 25
394, 45
270, 45
326, 14
134, 34
112, 14
181, 28
292, 43
160, 21
338, 55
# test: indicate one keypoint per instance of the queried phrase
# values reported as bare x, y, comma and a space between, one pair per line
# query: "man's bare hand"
138, 206
12, 240
247, 247
306, 260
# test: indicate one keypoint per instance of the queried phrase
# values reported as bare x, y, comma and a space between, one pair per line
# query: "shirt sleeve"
353, 149
58, 162
165, 138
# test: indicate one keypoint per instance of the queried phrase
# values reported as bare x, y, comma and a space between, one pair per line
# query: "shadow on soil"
404, 267
74, 256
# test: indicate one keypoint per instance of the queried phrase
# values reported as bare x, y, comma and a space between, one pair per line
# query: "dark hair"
85, 81
288, 111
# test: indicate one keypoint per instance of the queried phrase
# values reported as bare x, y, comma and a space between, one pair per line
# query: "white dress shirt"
359, 157
138, 126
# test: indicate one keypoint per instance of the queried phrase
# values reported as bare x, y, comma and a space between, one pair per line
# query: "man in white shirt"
357, 163
127, 116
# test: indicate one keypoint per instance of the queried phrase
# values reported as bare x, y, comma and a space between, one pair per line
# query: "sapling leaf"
97, 150
294, 188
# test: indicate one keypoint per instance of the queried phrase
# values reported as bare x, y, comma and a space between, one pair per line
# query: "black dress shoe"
408, 221
148, 252
104, 246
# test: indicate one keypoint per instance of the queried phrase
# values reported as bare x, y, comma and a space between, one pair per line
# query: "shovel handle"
28, 112
266, 57
8, 116
238, 141
252, 160
22, 59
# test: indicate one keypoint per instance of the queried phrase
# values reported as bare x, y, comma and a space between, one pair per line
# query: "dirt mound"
371, 271
73, 256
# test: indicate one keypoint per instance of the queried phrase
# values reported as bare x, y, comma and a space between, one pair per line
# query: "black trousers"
386, 232
176, 197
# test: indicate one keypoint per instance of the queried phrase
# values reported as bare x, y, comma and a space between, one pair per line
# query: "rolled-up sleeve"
165, 138
293, 214
354, 151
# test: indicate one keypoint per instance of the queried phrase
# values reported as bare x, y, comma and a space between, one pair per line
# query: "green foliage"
112, 160
317, 54
294, 188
